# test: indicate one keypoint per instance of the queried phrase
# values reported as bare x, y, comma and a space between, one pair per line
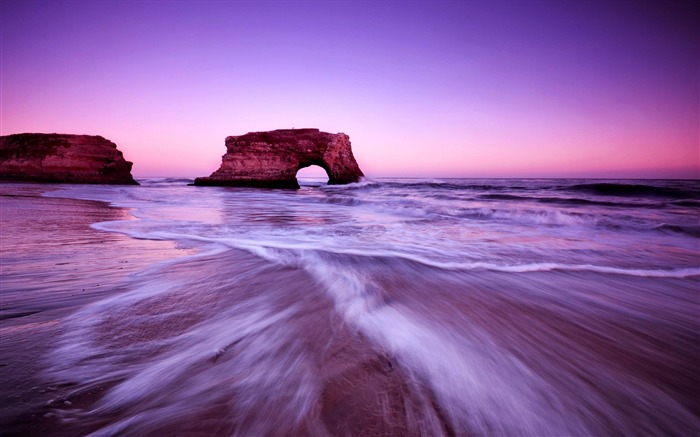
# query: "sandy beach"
396, 307
53, 263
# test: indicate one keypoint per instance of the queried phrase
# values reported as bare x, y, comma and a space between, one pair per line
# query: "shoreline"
52, 264
301, 340
358, 380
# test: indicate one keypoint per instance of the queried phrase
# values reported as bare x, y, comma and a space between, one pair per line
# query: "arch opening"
312, 176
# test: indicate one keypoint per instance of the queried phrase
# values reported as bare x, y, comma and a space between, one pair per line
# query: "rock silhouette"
63, 158
272, 159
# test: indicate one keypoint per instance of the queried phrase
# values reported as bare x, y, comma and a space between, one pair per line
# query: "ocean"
455, 307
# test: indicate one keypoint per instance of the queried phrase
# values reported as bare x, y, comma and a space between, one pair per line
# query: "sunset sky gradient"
424, 89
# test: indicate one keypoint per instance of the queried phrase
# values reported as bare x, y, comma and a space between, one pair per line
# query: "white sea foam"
274, 251
480, 386
240, 357
507, 359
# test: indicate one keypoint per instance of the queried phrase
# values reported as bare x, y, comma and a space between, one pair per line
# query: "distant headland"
272, 159
63, 158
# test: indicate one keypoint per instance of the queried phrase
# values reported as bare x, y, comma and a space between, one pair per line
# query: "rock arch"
272, 159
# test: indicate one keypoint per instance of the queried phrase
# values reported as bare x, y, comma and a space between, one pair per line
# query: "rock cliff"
63, 158
272, 159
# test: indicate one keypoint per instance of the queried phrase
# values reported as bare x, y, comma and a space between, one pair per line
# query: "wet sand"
359, 389
52, 263
268, 341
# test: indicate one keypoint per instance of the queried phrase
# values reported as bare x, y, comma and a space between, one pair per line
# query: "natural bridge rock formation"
272, 159
82, 159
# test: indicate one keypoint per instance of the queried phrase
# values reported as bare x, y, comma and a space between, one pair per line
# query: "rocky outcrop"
63, 158
272, 159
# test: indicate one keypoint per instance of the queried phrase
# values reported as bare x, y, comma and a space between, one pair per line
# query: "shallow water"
395, 307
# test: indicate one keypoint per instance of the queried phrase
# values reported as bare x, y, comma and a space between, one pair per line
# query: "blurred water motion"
442, 307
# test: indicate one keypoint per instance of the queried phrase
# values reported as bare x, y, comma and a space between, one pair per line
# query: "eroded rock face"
63, 158
272, 159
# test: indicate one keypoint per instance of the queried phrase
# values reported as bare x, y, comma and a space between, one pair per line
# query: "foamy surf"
273, 251
431, 307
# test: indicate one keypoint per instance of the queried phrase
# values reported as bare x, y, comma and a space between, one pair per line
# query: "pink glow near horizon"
480, 89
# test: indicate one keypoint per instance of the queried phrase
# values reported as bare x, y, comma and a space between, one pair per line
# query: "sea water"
397, 307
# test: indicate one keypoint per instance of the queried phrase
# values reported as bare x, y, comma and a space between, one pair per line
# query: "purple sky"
425, 89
